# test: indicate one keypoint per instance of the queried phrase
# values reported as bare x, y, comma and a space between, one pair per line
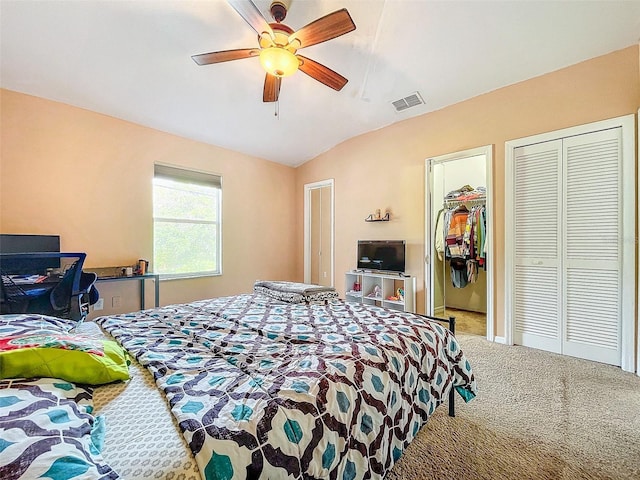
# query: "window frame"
193, 176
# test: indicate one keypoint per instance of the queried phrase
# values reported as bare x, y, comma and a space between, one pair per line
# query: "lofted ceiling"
132, 60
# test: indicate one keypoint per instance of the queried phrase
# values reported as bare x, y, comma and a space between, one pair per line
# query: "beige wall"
88, 178
385, 168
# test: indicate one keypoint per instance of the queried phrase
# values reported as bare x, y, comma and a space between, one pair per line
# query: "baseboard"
499, 340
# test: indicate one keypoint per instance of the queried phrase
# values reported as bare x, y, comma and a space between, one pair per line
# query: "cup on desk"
143, 266
127, 271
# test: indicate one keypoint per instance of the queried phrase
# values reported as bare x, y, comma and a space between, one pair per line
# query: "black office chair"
90, 294
69, 297
69, 302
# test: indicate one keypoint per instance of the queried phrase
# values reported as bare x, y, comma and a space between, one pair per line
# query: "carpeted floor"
537, 416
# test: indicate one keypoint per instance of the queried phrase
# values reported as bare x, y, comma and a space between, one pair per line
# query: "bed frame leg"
452, 405
452, 392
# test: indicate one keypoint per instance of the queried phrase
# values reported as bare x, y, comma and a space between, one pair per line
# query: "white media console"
387, 286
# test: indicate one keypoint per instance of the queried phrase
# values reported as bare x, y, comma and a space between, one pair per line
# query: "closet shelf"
471, 201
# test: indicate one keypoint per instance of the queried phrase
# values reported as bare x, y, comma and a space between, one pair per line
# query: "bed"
263, 387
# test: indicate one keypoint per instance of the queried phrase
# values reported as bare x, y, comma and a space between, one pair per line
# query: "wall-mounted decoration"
378, 217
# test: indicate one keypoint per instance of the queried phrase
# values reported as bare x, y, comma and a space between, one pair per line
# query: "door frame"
308, 187
627, 123
429, 223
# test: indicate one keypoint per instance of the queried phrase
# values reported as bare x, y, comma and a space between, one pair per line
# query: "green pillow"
71, 357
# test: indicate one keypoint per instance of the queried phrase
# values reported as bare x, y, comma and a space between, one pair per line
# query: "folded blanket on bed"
33, 345
292, 292
293, 287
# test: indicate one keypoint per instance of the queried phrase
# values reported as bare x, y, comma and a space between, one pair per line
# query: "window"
186, 222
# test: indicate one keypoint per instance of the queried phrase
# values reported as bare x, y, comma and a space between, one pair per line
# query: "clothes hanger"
461, 208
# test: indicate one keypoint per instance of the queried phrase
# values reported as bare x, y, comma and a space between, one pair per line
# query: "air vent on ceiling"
412, 100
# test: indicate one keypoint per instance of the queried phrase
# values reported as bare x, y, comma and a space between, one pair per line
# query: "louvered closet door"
537, 292
593, 245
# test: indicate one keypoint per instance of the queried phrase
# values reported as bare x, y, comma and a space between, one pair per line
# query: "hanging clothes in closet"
461, 234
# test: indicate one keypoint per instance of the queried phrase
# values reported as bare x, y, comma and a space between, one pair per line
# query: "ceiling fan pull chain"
277, 109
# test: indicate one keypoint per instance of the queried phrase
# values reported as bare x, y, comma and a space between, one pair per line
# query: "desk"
108, 275
22, 289
34, 282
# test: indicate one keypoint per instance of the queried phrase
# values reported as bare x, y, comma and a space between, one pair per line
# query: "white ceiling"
132, 60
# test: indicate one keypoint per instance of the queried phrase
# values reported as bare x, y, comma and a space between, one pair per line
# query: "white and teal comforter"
264, 389
47, 431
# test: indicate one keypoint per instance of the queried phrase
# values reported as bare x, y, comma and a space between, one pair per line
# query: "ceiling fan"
278, 44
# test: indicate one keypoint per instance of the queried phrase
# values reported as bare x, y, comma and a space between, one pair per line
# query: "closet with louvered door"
569, 277
537, 276
592, 263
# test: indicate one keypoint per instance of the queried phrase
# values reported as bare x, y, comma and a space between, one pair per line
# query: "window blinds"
189, 176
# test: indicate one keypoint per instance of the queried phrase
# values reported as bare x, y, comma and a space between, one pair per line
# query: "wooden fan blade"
248, 10
224, 56
271, 88
322, 74
325, 28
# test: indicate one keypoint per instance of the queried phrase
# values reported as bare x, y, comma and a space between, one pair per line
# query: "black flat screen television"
10, 243
381, 255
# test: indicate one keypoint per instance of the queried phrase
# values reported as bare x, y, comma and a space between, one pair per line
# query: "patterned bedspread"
264, 389
47, 431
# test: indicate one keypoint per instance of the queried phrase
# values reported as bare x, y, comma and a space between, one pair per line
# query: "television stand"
387, 286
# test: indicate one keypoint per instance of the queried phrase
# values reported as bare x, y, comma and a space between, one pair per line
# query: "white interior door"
593, 235
571, 245
537, 275
319, 233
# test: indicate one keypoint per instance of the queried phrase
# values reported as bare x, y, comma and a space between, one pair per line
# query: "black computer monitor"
10, 243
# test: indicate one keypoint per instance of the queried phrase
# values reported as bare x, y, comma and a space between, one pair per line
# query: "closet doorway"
318, 233
458, 259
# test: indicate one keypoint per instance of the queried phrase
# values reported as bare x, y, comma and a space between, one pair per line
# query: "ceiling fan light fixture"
279, 61
279, 43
